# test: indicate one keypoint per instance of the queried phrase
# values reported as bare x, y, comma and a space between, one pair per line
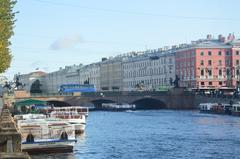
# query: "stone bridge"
172, 99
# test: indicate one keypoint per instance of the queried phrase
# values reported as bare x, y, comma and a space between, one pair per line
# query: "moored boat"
46, 135
118, 107
215, 108
236, 109
74, 115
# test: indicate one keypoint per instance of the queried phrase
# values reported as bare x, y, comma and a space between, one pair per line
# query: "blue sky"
54, 33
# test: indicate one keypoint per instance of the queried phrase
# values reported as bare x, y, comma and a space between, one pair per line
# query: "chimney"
209, 37
104, 59
231, 37
220, 37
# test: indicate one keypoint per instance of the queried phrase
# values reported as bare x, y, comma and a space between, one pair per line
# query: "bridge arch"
149, 103
57, 103
98, 103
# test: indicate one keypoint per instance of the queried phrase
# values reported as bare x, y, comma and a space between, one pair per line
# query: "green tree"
35, 87
6, 31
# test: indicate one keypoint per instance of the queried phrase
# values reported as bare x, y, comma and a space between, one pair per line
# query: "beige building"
90, 73
111, 75
149, 71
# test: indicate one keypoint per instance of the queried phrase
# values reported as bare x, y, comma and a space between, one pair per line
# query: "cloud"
66, 42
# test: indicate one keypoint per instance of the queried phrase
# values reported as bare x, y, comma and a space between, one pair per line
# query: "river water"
160, 134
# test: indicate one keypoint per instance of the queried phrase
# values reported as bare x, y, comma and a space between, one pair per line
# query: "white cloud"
66, 42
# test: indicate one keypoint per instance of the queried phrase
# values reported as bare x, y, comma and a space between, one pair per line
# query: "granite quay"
10, 138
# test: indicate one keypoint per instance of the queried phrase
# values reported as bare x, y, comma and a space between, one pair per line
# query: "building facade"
149, 71
111, 75
28, 79
91, 74
205, 63
208, 63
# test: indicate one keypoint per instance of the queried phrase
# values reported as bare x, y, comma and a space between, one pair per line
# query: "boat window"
64, 136
30, 138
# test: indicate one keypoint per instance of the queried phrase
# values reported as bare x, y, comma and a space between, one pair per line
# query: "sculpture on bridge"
18, 84
175, 82
7, 86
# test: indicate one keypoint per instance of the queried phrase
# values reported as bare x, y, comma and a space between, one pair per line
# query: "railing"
108, 94
50, 94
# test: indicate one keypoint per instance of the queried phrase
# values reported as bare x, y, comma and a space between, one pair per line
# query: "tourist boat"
29, 116
215, 108
74, 115
46, 135
118, 107
236, 109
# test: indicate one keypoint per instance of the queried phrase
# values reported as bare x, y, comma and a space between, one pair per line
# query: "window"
228, 62
209, 72
209, 62
220, 72
202, 83
202, 53
202, 62
237, 72
220, 83
228, 72
209, 53
227, 53
219, 53
210, 83
237, 62
219, 62
237, 52
202, 72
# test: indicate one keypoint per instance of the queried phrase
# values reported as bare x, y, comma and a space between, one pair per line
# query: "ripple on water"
157, 134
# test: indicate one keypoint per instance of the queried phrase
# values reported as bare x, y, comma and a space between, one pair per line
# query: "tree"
6, 31
35, 87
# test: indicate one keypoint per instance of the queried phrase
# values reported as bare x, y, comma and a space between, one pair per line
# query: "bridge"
175, 98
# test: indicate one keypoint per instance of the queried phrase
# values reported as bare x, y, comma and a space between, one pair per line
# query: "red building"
209, 63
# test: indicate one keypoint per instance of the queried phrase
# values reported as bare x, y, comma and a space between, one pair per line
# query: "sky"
56, 33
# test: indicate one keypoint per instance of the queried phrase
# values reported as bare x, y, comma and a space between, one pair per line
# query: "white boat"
29, 116
215, 108
236, 109
74, 115
118, 107
46, 135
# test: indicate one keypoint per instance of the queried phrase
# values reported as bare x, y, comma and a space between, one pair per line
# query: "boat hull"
48, 147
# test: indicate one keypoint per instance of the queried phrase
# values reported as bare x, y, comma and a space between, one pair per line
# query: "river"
160, 134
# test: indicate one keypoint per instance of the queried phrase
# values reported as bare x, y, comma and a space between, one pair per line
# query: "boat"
29, 116
215, 108
46, 135
74, 115
118, 107
236, 109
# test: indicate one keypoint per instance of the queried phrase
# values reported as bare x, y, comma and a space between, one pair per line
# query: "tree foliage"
35, 87
6, 31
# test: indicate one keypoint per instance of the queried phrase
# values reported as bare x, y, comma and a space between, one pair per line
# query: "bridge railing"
132, 93
50, 94
109, 94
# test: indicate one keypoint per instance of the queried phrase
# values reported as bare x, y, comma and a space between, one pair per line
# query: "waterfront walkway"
10, 138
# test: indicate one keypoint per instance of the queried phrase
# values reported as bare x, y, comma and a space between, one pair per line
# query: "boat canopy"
30, 102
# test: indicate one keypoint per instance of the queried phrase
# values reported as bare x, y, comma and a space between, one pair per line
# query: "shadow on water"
149, 104
54, 156
80, 140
